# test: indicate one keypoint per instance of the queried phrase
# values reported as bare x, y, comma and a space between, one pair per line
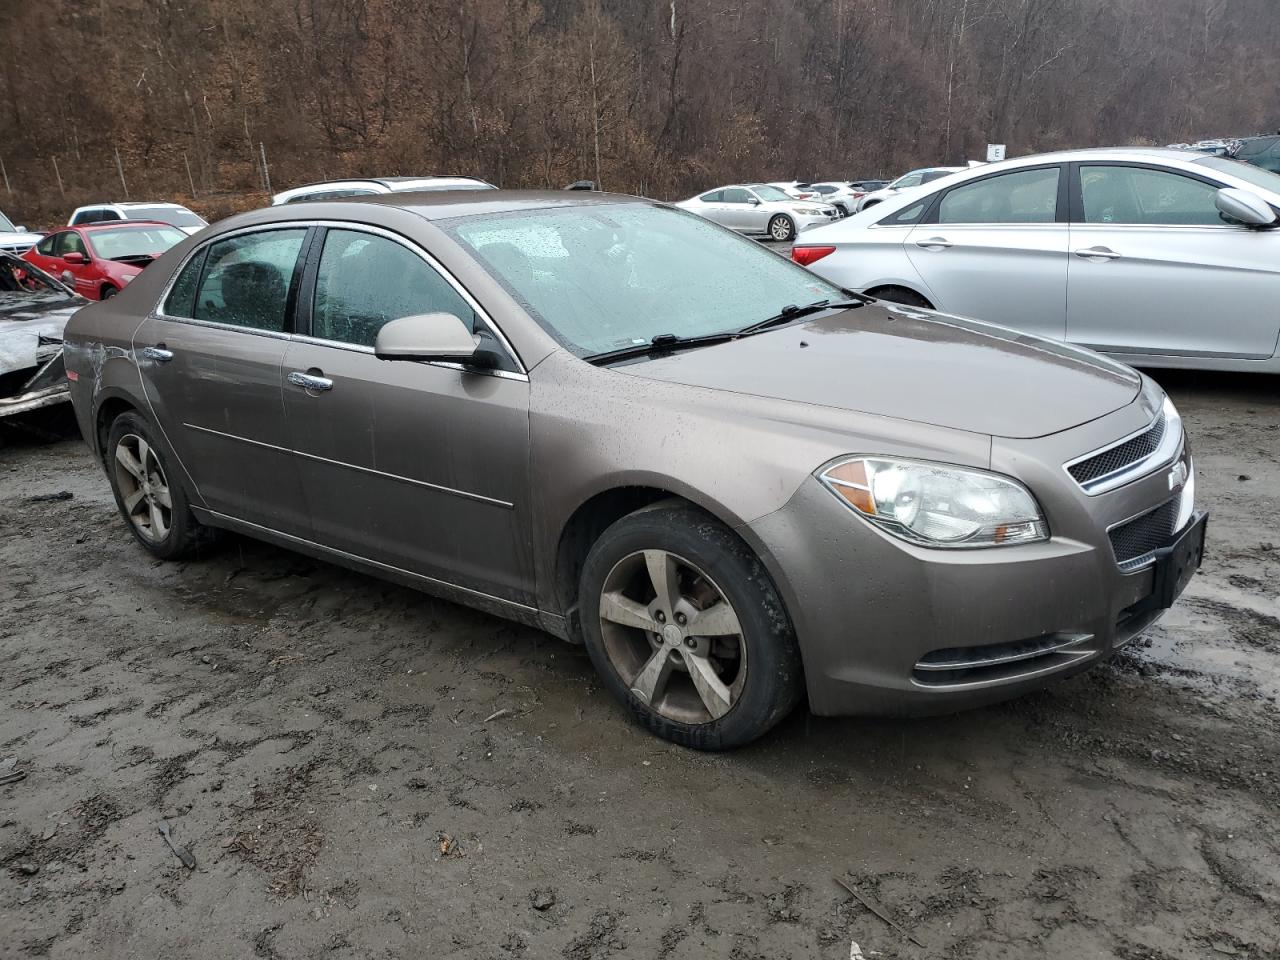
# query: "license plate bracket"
1177, 563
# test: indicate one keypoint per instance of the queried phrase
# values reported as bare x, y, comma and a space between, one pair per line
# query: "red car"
97, 260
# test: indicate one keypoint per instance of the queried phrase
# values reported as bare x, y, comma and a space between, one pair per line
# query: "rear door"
210, 361
420, 466
1155, 270
995, 249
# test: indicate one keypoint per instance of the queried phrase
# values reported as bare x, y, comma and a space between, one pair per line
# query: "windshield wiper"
793, 312
662, 343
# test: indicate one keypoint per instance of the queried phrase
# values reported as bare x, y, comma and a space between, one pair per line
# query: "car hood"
31, 327
19, 239
913, 365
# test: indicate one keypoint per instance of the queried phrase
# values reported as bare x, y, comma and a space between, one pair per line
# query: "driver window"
735, 195
1143, 196
366, 280
69, 242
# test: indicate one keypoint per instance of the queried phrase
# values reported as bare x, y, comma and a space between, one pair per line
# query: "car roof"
118, 225
132, 204
448, 204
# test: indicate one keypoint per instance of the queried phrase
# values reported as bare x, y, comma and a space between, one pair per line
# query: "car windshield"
1245, 171
6, 225
766, 192
24, 282
121, 242
604, 277
178, 216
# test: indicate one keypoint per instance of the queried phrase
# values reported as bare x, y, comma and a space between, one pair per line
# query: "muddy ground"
318, 741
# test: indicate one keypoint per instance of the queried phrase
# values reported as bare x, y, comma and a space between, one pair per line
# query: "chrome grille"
1134, 541
1120, 456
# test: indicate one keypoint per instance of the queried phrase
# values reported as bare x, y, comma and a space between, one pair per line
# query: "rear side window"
1143, 196
910, 215
366, 280
330, 195
715, 196
247, 278
45, 246
1028, 196
181, 301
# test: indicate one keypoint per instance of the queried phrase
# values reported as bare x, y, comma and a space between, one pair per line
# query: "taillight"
807, 255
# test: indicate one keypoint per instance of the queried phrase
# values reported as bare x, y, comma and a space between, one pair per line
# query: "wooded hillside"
661, 97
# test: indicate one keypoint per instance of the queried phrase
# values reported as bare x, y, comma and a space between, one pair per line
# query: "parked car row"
1159, 257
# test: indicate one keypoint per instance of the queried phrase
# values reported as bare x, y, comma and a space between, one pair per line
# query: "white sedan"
1160, 257
760, 209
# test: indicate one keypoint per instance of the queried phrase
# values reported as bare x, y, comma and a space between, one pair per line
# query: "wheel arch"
596, 513
878, 289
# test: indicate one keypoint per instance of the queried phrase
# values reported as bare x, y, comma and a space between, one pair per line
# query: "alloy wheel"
780, 229
673, 636
144, 489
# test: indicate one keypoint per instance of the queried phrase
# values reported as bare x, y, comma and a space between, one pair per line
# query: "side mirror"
426, 336
22, 229
754, 201
74, 257
1242, 206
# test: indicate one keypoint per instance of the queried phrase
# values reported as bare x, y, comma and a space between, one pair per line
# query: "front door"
421, 466
1154, 270
738, 210
210, 364
994, 249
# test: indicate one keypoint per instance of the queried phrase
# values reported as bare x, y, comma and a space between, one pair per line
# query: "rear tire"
901, 295
711, 690
151, 499
782, 228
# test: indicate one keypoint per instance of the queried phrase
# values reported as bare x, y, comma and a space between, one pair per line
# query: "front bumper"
888, 628
809, 221
46, 388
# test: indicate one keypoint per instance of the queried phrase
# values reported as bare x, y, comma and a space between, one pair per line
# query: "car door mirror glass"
1242, 206
426, 336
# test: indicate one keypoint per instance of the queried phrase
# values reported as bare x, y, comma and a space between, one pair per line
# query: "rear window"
178, 216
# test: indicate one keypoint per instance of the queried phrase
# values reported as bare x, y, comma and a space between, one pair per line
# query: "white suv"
174, 214
337, 189
15, 240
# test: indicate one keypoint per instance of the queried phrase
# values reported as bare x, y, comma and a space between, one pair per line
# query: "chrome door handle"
1098, 253
935, 243
308, 382
158, 354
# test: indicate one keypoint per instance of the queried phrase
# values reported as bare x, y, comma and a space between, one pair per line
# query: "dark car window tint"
69, 242
1140, 195
366, 280
1029, 196
182, 298
247, 278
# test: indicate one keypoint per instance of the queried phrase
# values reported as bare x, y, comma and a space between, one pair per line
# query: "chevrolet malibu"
734, 482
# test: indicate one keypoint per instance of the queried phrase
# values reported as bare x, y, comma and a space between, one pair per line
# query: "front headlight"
810, 211
936, 505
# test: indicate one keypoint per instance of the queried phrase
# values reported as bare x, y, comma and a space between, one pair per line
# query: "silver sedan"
760, 209
1160, 257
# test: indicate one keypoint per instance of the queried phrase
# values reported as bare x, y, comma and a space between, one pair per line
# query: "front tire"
686, 628
108, 292
150, 497
781, 228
